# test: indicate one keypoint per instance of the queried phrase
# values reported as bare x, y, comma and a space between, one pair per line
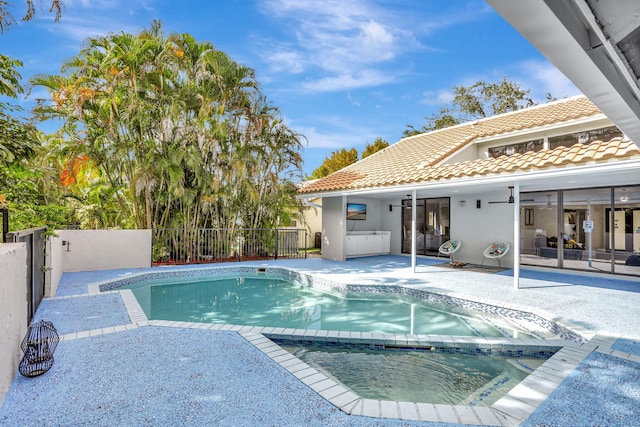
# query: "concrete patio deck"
112, 369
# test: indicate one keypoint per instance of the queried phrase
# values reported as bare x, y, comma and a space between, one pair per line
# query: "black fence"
35, 238
204, 245
4, 218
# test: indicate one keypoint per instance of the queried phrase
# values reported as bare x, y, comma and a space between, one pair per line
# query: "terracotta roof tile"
417, 159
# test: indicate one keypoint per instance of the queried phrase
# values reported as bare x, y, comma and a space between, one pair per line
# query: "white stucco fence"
84, 250
89, 250
13, 312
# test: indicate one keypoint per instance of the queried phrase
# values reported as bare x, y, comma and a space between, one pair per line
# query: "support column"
516, 236
413, 231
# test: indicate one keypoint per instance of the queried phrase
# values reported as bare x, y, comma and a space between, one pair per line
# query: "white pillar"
516, 236
413, 230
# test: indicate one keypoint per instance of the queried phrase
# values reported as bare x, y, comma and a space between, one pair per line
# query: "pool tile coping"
512, 409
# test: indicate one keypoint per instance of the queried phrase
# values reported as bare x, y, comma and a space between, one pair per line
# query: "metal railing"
35, 239
204, 245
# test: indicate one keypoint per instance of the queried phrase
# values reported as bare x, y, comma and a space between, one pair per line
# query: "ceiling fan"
511, 198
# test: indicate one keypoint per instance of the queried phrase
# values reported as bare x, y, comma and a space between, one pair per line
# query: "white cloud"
352, 100
345, 44
90, 18
333, 132
441, 97
287, 61
542, 77
366, 78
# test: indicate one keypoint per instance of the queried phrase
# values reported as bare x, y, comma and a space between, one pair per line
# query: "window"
602, 134
519, 148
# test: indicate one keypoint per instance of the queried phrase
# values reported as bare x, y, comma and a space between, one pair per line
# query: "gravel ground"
167, 377
604, 390
83, 314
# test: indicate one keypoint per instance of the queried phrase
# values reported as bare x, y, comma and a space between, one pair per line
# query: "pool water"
419, 375
275, 302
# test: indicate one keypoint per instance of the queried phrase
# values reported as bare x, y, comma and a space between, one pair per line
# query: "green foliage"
337, 160
176, 134
342, 158
25, 198
378, 144
477, 101
25, 186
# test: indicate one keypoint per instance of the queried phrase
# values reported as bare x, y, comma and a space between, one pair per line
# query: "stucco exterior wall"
104, 249
392, 221
372, 221
333, 228
55, 264
478, 228
313, 221
13, 314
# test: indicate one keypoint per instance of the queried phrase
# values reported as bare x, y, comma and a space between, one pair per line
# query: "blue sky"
342, 72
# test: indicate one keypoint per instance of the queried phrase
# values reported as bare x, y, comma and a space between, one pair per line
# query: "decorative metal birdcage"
38, 347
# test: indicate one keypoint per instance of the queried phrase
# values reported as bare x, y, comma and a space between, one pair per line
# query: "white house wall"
333, 228
478, 228
392, 221
372, 223
313, 221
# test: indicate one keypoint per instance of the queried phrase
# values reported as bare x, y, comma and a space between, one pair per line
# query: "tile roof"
416, 159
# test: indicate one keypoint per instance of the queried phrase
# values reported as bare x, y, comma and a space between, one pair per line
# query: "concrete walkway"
112, 369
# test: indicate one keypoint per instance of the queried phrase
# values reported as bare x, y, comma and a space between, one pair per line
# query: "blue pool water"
275, 302
419, 376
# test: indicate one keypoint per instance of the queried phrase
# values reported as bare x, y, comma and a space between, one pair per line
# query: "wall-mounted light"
67, 244
462, 203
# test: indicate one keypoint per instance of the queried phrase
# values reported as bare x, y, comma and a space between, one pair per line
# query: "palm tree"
179, 130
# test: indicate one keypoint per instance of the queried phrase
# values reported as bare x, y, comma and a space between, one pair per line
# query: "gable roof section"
415, 159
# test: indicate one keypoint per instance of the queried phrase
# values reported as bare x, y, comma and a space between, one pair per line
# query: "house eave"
587, 175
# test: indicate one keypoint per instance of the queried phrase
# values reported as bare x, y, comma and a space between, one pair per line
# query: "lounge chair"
449, 248
496, 251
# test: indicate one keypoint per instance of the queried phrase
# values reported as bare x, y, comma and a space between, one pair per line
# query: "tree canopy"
334, 162
26, 184
378, 144
167, 132
481, 99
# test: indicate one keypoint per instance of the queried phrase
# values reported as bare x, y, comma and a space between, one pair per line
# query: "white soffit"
595, 43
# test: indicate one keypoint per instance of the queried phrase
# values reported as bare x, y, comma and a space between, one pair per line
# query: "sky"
342, 72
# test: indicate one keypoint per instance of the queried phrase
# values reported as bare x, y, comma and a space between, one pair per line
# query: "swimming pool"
273, 300
418, 375
330, 385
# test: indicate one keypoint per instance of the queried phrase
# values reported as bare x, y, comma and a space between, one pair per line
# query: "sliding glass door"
595, 229
432, 225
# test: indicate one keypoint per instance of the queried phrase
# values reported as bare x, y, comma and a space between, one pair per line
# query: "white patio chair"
449, 248
496, 251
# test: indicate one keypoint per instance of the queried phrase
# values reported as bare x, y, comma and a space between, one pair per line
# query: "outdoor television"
356, 211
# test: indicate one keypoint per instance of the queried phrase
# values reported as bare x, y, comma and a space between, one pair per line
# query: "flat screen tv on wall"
356, 211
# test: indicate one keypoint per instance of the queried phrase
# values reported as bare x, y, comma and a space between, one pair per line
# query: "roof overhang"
595, 43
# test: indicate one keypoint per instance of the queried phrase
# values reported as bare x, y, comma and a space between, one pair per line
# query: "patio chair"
496, 251
449, 248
